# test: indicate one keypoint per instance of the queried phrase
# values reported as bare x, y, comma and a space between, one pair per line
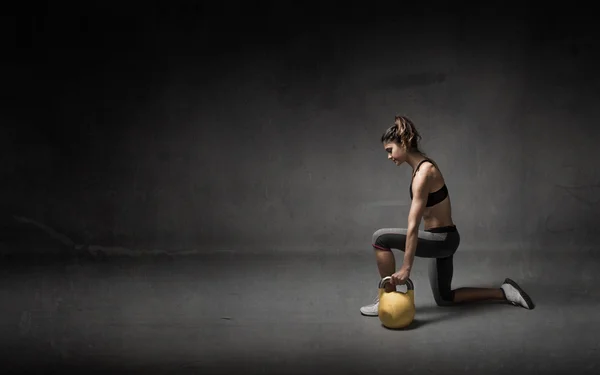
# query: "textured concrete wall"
201, 129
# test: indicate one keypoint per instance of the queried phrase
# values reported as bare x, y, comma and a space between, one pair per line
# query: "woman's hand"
400, 277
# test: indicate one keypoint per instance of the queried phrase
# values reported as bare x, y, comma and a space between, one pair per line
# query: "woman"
440, 238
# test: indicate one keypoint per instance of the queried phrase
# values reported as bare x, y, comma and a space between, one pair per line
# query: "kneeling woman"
440, 238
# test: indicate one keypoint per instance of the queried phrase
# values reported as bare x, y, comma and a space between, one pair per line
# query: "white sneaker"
372, 309
515, 295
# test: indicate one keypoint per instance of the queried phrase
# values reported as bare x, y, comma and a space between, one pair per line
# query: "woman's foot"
515, 295
372, 309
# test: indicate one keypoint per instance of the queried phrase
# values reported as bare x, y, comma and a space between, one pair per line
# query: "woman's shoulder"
431, 169
430, 165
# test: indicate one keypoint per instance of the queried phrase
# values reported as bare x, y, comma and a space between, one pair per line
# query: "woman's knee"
444, 297
376, 236
382, 238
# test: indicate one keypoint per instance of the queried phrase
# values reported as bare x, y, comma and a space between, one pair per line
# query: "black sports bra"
435, 197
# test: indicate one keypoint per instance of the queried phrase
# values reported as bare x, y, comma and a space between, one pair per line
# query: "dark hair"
404, 133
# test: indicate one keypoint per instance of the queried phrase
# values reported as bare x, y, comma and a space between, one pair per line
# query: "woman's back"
438, 212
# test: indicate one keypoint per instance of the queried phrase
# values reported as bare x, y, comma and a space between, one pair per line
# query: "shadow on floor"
431, 314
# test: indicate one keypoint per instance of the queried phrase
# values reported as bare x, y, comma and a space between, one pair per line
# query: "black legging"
438, 244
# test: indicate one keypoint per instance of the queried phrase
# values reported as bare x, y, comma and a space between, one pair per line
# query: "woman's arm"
420, 187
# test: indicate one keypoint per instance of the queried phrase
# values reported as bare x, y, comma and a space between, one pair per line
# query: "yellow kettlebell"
396, 309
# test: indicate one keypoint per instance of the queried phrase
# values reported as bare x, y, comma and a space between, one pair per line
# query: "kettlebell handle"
385, 280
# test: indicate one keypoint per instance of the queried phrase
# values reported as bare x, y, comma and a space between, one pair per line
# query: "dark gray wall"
202, 127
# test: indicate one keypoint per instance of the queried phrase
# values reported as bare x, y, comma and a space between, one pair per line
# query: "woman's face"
396, 153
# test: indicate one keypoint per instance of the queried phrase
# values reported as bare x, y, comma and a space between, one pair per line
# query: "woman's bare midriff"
438, 216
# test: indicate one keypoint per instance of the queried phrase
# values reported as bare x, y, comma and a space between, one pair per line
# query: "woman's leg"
478, 294
440, 278
440, 247
386, 264
384, 240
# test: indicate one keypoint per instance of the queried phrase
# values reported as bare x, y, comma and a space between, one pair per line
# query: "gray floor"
292, 314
